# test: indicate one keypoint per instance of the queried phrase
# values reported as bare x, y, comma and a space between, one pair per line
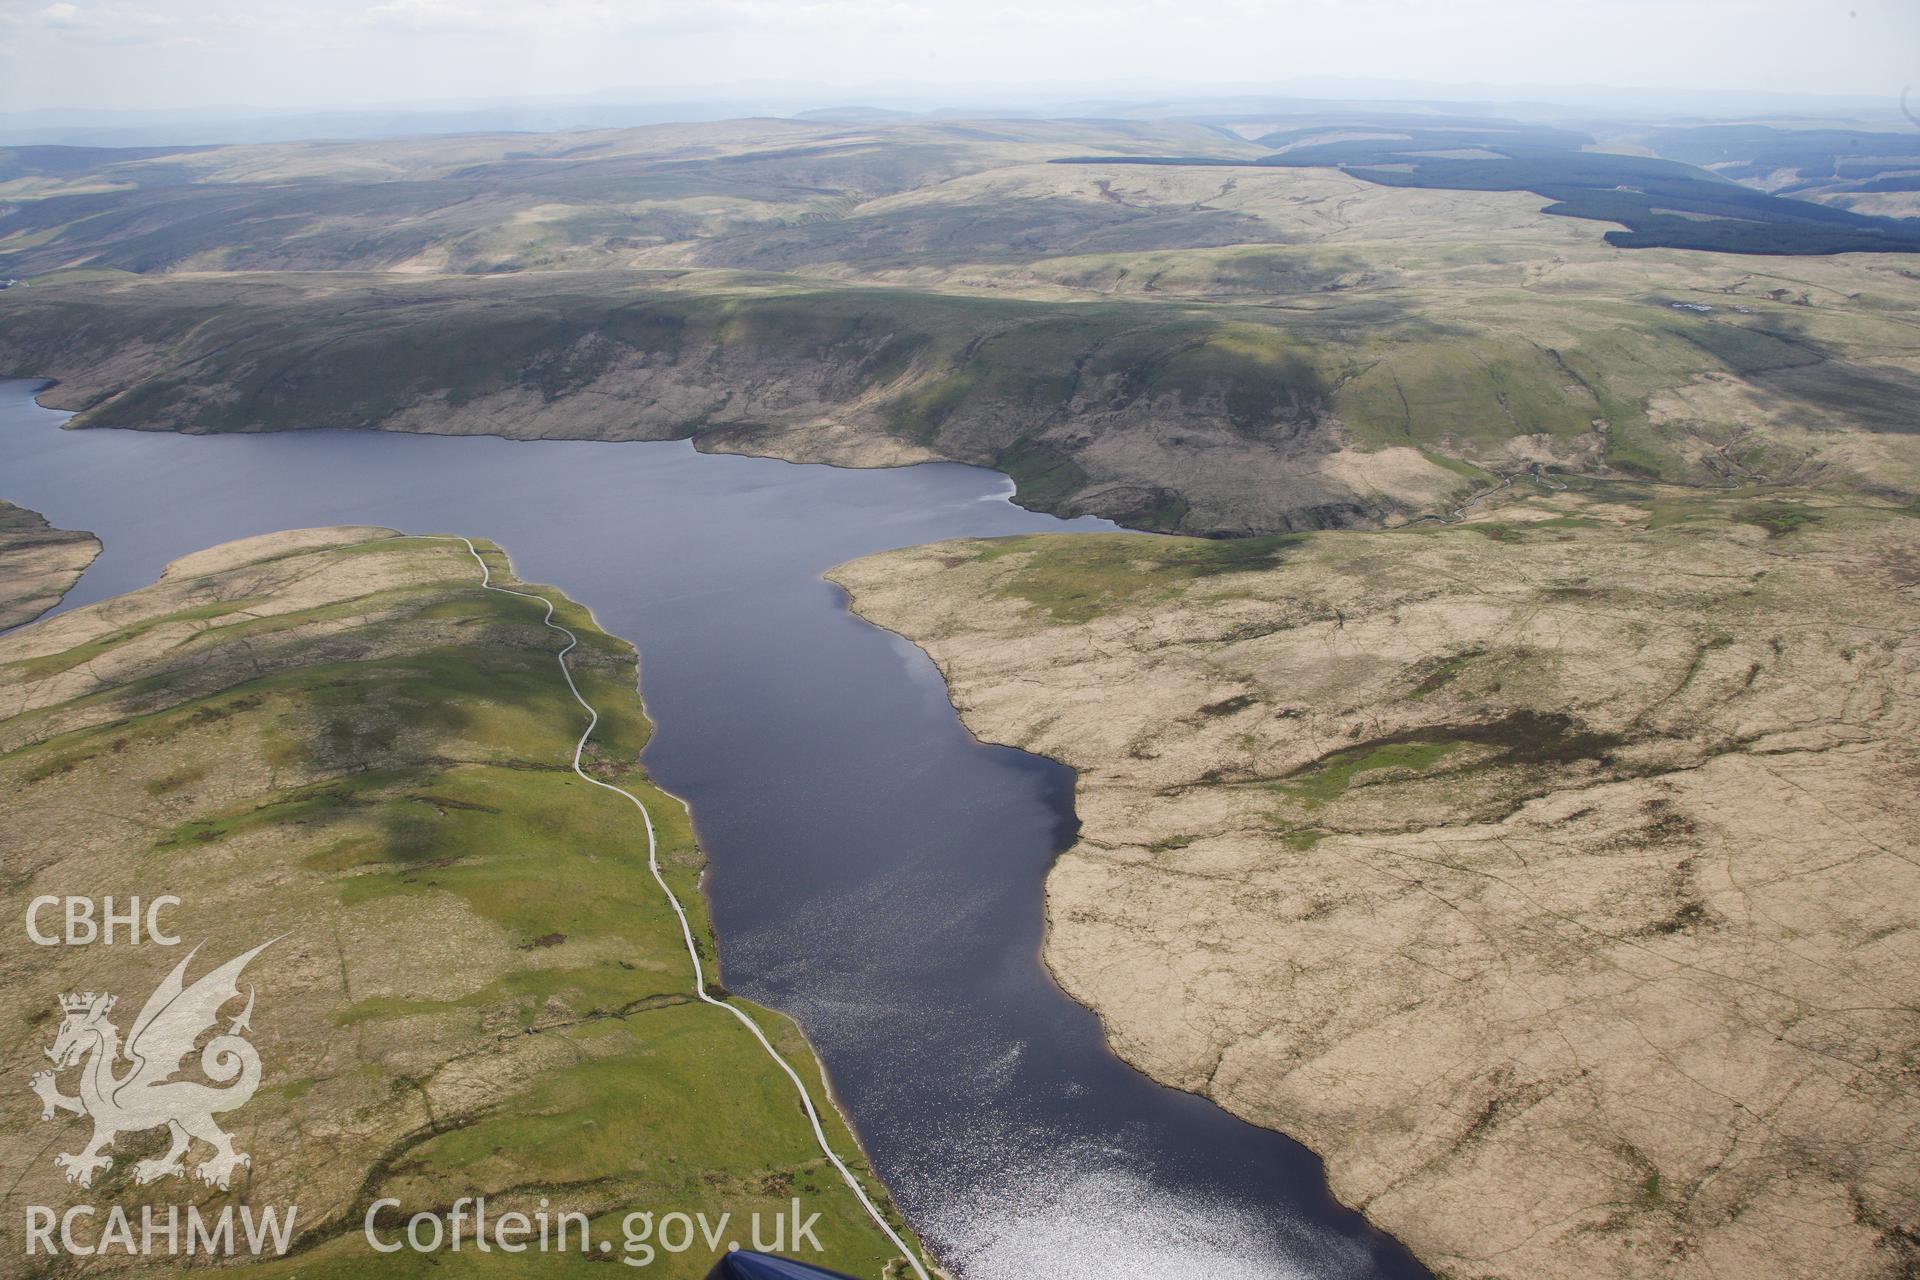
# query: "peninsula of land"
335, 739
1553, 874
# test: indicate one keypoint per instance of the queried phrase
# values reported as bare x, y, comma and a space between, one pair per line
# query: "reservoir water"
876, 872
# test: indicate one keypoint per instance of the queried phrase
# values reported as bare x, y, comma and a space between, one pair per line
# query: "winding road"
686, 929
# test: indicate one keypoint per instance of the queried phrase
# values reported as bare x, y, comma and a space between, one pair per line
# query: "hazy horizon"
113, 56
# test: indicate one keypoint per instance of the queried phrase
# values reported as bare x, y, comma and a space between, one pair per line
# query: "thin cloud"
119, 53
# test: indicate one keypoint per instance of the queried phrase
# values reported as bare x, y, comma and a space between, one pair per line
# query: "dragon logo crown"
150, 1092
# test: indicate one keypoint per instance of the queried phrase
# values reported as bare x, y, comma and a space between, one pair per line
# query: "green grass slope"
340, 738
1249, 349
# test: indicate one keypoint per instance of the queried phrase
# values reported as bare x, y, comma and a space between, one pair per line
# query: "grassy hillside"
1325, 409
1552, 873
1870, 171
38, 563
488, 203
1662, 203
336, 737
1550, 842
1217, 350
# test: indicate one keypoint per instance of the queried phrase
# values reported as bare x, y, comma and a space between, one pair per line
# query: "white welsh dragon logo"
146, 1096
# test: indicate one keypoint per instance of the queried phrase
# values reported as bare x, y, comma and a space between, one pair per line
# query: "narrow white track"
686, 929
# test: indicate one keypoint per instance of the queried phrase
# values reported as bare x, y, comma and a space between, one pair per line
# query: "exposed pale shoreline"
38, 564
984, 732
1427, 980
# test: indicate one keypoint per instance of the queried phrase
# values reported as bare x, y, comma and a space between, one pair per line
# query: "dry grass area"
38, 564
337, 739
1194, 349
1555, 874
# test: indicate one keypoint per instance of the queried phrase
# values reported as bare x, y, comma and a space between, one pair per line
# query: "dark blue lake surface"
876, 872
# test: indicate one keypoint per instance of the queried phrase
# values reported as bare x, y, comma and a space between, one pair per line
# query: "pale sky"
117, 54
